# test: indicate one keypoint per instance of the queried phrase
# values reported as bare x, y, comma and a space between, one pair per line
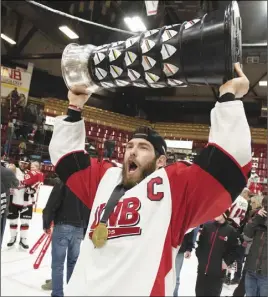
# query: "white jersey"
150, 220
238, 210
18, 193
132, 230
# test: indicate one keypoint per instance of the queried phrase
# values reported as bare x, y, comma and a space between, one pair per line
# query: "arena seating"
102, 125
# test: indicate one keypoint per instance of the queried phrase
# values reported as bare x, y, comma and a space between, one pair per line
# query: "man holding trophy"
141, 212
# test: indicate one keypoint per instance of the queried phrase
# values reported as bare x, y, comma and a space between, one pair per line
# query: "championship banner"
151, 7
15, 85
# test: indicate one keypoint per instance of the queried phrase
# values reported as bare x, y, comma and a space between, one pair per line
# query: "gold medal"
100, 235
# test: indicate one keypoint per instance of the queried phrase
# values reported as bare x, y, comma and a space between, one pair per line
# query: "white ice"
19, 278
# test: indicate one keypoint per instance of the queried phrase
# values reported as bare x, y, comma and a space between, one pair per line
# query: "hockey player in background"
17, 207
21, 205
141, 212
33, 180
239, 214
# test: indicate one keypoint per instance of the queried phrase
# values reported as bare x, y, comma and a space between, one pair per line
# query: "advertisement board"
15, 85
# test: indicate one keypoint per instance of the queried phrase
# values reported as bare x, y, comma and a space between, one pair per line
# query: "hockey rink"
19, 278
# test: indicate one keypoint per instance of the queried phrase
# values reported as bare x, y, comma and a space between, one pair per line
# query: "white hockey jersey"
18, 193
238, 210
150, 220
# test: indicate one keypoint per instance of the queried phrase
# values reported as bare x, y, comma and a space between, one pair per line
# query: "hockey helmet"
24, 159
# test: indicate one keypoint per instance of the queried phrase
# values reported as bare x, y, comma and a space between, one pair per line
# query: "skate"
12, 241
23, 243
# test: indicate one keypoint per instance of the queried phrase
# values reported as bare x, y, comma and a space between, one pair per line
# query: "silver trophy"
198, 52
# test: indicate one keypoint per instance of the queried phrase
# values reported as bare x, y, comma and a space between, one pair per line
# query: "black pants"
3, 225
208, 285
240, 289
239, 262
15, 211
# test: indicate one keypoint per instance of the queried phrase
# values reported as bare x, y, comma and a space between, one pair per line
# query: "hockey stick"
42, 253
24, 209
37, 196
38, 243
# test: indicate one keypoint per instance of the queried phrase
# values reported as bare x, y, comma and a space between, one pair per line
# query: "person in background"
240, 289
13, 96
256, 204
8, 181
239, 214
70, 217
109, 146
184, 252
22, 148
19, 208
32, 181
216, 250
256, 282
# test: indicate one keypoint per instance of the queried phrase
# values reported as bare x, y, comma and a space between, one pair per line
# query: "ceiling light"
263, 83
68, 32
6, 38
135, 24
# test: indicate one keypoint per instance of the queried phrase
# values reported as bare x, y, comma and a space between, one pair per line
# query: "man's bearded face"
139, 161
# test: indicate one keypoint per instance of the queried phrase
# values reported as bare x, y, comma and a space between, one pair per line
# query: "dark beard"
129, 183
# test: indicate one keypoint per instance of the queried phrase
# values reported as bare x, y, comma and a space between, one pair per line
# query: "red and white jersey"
238, 210
34, 179
255, 188
18, 193
150, 220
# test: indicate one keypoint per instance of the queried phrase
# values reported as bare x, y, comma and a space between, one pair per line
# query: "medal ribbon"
117, 193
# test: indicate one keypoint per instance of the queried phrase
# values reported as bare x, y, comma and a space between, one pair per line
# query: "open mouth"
132, 167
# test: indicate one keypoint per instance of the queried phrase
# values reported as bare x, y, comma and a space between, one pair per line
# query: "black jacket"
188, 242
256, 232
217, 242
63, 207
8, 180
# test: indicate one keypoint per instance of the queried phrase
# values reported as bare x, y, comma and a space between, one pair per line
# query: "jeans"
240, 289
256, 285
65, 238
178, 266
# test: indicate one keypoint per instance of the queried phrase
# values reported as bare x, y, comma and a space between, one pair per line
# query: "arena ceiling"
39, 41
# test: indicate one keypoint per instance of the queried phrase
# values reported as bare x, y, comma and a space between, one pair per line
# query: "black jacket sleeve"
250, 228
53, 203
189, 241
8, 178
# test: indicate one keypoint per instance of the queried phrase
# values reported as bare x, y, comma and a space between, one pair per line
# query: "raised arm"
67, 151
221, 171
